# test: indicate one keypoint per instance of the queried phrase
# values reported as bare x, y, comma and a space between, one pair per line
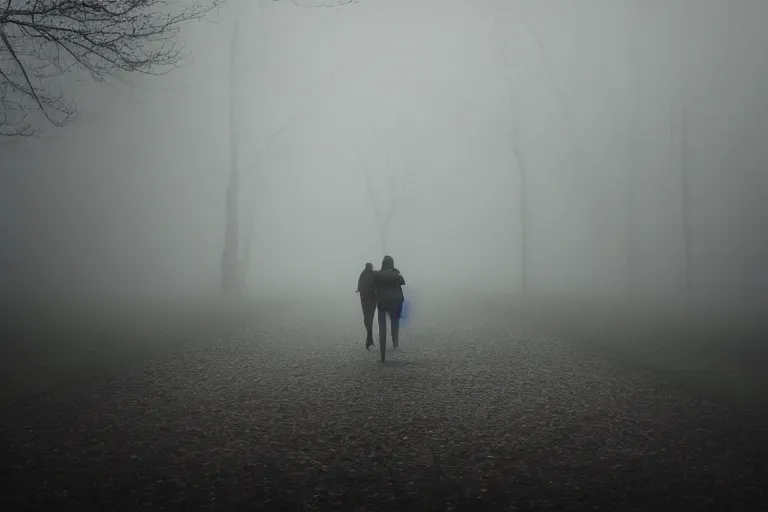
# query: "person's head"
387, 263
369, 266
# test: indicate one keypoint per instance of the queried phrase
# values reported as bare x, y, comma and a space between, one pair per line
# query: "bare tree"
631, 198
523, 199
238, 242
230, 260
515, 142
394, 189
236, 254
681, 112
577, 156
633, 148
579, 159
42, 39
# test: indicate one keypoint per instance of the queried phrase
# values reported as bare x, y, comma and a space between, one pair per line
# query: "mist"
574, 195
129, 197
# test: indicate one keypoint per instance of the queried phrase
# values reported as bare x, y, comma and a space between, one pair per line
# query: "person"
389, 299
367, 291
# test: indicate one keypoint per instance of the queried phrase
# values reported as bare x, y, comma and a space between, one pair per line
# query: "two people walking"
381, 290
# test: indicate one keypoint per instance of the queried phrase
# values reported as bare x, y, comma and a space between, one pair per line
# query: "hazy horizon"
128, 199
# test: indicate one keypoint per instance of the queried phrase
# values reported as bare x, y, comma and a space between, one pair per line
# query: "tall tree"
683, 147
515, 143
578, 159
42, 39
236, 255
633, 148
393, 188
230, 260
523, 199
630, 198
238, 243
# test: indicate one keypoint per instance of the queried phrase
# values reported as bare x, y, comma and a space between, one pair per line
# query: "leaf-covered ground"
474, 412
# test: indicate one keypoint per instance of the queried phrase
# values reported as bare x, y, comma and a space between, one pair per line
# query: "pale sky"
130, 194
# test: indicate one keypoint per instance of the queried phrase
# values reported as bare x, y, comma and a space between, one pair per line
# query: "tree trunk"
516, 147
230, 260
523, 193
245, 261
685, 192
230, 264
631, 265
524, 233
523, 205
633, 142
631, 204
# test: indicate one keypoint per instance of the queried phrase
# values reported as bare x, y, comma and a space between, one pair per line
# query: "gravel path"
472, 413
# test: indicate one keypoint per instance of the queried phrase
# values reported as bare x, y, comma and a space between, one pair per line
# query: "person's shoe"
369, 344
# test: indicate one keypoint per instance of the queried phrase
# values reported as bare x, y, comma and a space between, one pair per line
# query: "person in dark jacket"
366, 289
389, 299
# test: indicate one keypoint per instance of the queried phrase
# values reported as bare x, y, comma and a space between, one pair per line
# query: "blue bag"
404, 312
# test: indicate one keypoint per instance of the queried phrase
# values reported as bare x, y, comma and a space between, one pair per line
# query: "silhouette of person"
367, 290
389, 299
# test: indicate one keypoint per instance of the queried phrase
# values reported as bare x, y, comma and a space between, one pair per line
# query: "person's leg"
382, 331
364, 307
369, 309
394, 317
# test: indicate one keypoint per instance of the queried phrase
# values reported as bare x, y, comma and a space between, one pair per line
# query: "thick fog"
625, 118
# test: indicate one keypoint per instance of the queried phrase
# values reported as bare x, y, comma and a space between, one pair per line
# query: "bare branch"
253, 163
560, 95
394, 187
40, 39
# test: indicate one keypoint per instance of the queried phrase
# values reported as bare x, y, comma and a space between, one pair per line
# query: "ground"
478, 410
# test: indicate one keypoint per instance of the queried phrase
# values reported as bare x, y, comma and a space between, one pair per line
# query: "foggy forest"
591, 170
609, 148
